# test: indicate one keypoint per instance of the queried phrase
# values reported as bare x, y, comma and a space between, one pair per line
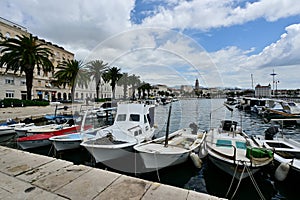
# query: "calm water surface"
206, 113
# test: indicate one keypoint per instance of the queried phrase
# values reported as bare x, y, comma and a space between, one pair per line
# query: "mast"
168, 125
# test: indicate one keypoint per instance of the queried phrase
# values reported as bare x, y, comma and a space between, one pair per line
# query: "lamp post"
273, 74
276, 82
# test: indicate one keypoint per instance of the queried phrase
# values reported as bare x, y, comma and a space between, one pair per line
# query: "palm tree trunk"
29, 79
97, 89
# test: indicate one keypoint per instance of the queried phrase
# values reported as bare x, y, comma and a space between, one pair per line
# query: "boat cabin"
228, 125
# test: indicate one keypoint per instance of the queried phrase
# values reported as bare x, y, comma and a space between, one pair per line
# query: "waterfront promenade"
20, 113
25, 175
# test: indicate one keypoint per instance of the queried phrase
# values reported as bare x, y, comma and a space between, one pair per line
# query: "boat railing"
233, 157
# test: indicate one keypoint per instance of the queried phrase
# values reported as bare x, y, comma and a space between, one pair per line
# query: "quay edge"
26, 175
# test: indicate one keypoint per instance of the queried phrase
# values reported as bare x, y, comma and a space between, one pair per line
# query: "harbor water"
206, 113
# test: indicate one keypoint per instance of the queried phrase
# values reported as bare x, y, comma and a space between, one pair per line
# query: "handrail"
137, 126
233, 157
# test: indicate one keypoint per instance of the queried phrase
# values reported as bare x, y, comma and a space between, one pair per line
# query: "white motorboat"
71, 141
133, 124
159, 153
286, 150
230, 149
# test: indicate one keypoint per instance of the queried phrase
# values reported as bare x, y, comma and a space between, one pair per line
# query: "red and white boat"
42, 138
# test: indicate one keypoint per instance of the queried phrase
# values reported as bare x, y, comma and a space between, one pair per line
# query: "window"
10, 94
121, 117
9, 81
23, 82
7, 35
134, 117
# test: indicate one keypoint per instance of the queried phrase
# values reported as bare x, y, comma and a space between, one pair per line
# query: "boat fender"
282, 171
203, 150
196, 160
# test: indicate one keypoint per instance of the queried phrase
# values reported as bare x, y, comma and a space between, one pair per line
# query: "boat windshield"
121, 117
134, 117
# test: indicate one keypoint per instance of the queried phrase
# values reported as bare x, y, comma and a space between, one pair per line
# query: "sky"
223, 43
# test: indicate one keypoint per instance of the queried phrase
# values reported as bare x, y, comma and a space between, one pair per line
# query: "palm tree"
145, 87
112, 76
125, 82
96, 69
23, 54
72, 73
134, 81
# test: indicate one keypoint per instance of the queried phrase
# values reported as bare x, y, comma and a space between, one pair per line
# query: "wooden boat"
42, 139
8, 132
286, 150
133, 124
156, 154
73, 140
230, 149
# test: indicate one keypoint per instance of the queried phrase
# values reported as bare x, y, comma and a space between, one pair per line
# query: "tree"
125, 82
23, 54
96, 70
112, 76
144, 87
72, 73
134, 81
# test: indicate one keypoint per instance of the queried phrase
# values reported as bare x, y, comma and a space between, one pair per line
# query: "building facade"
14, 84
262, 91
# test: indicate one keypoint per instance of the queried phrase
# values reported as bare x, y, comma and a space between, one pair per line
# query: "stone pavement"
25, 175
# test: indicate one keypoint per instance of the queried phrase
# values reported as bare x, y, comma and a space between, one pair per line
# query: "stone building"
14, 85
262, 91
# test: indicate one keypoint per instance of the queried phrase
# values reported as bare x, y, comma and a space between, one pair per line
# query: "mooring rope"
157, 173
232, 180
255, 184
237, 187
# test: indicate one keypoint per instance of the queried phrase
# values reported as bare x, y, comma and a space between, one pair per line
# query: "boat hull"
66, 145
158, 161
107, 154
69, 141
30, 144
6, 134
232, 169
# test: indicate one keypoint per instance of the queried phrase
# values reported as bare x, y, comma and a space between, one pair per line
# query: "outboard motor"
270, 132
194, 128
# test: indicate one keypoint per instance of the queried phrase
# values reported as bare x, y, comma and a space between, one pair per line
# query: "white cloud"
79, 25
158, 47
235, 65
206, 14
102, 30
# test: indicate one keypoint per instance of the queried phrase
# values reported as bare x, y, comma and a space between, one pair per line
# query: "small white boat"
6, 133
133, 124
21, 131
71, 141
156, 154
230, 149
286, 150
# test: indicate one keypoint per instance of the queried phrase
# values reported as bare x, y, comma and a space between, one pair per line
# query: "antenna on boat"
210, 114
168, 125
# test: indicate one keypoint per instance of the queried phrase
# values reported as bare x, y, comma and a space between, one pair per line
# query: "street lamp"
273, 74
276, 82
